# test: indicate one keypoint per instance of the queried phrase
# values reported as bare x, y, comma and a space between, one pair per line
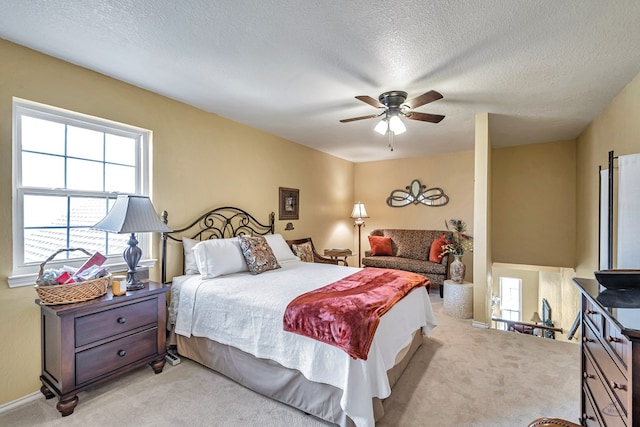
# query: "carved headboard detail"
218, 223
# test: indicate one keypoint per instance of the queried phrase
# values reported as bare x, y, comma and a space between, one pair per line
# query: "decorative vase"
457, 270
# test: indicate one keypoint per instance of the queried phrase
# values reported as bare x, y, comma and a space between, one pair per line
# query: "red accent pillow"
436, 249
380, 245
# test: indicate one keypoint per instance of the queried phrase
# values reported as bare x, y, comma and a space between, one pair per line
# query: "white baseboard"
20, 401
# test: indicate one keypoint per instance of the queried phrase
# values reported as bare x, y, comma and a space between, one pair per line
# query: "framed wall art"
289, 203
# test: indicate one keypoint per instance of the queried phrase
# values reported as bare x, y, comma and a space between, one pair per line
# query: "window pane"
40, 244
118, 243
42, 135
120, 178
41, 170
45, 211
120, 149
86, 238
87, 211
84, 143
84, 175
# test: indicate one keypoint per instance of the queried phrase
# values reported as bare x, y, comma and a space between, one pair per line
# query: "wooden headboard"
218, 223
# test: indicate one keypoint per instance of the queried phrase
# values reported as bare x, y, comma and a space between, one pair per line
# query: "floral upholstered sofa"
410, 251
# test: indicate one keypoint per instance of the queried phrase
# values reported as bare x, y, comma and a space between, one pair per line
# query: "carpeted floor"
461, 376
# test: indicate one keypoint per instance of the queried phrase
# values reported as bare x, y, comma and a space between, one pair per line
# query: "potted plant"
460, 243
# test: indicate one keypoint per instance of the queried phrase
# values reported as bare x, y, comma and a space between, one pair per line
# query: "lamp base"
132, 255
133, 284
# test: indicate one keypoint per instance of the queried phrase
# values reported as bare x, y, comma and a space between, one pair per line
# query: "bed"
233, 323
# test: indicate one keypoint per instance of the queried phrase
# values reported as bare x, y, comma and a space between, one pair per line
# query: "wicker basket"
72, 292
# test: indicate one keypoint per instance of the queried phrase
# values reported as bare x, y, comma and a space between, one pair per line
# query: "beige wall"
616, 128
199, 160
453, 172
533, 204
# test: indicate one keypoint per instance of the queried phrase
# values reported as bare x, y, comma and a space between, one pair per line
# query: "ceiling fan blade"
353, 119
425, 117
369, 100
425, 98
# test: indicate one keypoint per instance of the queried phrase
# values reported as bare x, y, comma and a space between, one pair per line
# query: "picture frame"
546, 311
289, 203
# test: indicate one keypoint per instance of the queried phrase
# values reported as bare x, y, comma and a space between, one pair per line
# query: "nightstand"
97, 340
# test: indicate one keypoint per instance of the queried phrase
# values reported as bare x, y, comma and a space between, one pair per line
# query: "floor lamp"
358, 213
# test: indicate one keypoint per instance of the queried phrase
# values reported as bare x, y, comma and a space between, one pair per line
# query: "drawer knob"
615, 385
122, 320
585, 339
587, 417
122, 353
613, 339
586, 375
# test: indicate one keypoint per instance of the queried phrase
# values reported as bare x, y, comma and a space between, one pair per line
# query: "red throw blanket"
346, 313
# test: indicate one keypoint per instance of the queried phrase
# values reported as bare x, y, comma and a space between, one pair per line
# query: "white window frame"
25, 273
502, 299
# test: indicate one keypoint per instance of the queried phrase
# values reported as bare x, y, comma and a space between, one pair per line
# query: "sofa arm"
367, 253
445, 260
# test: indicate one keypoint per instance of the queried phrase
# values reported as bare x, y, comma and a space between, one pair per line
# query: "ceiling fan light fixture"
382, 127
396, 126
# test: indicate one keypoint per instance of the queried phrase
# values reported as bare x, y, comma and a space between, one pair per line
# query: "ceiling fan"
395, 104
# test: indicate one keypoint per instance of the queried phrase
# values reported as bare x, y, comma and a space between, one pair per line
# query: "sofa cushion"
380, 245
407, 264
435, 254
414, 244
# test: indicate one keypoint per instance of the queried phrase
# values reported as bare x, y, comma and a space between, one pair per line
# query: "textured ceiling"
544, 68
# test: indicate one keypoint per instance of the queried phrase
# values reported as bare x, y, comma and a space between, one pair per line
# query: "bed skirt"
285, 385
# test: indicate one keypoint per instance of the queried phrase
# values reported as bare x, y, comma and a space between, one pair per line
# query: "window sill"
22, 280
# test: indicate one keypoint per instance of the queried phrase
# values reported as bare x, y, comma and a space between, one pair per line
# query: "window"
68, 170
510, 300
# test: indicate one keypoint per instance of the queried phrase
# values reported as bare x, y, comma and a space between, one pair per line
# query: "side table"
93, 341
458, 299
338, 253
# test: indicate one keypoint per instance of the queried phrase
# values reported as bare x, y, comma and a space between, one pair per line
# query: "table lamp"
132, 214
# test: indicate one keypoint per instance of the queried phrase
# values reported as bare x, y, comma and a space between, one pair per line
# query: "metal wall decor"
417, 193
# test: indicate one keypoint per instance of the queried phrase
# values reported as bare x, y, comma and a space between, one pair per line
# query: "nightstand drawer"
94, 327
100, 360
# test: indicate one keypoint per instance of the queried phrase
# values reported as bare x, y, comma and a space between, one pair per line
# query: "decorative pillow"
435, 254
280, 249
304, 251
217, 257
380, 245
190, 265
258, 254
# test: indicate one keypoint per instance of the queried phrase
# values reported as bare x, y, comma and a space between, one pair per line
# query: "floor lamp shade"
132, 214
358, 213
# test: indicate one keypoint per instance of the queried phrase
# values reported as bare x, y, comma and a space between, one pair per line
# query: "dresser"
97, 340
610, 355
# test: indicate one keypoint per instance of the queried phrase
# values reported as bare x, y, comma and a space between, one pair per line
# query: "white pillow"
217, 257
190, 266
280, 249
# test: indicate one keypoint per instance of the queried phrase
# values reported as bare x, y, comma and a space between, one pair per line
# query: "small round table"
338, 253
458, 299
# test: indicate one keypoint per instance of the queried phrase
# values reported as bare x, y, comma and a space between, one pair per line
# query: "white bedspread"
246, 311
